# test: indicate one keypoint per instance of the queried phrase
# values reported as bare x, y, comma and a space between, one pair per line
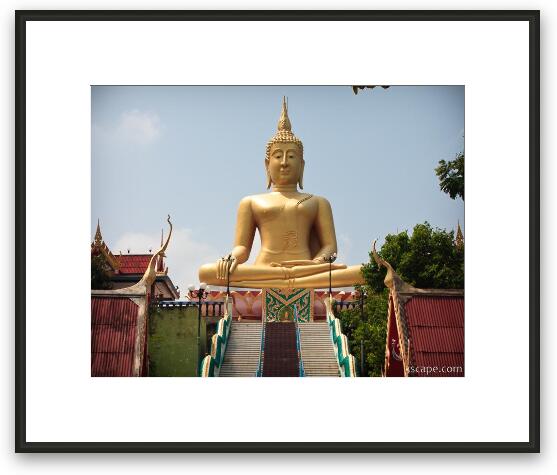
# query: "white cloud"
184, 254
345, 246
139, 127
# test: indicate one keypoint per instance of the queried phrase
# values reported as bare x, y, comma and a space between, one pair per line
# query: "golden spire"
98, 245
98, 236
459, 240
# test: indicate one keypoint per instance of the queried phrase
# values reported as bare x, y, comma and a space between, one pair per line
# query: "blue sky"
194, 151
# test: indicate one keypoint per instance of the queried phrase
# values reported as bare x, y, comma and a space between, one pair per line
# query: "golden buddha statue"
296, 229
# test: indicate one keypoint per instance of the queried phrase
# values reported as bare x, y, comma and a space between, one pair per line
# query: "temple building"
119, 320
425, 329
127, 269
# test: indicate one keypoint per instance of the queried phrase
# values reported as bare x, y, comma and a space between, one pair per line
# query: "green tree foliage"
100, 278
428, 258
356, 88
370, 328
451, 176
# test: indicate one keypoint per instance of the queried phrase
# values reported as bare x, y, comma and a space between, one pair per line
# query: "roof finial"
392, 279
150, 274
98, 235
459, 240
160, 262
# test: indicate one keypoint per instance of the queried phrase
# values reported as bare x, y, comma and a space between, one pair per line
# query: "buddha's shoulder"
321, 200
251, 198
265, 197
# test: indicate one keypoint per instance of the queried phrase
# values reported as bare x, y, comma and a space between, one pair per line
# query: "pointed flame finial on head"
284, 124
284, 130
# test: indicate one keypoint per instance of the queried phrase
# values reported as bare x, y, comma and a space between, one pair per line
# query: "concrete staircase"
318, 352
242, 351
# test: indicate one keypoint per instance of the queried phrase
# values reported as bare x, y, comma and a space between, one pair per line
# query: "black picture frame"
532, 17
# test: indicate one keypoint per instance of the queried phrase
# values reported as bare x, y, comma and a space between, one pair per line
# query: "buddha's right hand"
293, 263
302, 263
222, 266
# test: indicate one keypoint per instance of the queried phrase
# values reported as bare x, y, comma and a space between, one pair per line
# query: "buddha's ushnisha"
296, 229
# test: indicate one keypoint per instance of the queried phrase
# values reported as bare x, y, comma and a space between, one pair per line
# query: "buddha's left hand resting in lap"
296, 229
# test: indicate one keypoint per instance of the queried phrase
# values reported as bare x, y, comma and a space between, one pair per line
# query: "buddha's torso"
284, 221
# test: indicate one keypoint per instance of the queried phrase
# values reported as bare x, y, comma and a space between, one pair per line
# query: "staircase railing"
211, 364
298, 344
346, 361
259, 370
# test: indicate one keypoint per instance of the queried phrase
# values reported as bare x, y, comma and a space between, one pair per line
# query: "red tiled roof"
436, 332
133, 263
113, 332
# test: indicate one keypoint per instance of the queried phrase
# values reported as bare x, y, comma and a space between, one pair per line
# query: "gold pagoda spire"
459, 240
98, 236
99, 246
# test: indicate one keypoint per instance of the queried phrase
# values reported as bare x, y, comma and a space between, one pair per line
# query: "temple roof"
123, 266
133, 263
429, 323
113, 335
435, 330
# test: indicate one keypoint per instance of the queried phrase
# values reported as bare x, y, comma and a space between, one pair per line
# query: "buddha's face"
285, 163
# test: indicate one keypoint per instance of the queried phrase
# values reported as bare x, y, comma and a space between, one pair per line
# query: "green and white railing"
346, 361
301, 371
211, 364
259, 370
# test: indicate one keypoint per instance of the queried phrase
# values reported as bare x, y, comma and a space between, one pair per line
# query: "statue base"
278, 304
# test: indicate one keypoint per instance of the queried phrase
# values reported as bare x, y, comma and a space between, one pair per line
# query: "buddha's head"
284, 157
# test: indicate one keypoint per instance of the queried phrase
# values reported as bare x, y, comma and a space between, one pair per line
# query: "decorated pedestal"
278, 304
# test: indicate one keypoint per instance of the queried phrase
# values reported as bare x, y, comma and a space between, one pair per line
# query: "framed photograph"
202, 195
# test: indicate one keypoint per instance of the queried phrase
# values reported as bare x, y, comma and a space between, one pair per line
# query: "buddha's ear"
301, 179
268, 173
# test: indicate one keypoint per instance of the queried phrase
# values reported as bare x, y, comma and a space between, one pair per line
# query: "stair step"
241, 357
318, 351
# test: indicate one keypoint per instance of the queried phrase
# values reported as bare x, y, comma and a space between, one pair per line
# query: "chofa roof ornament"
392, 279
151, 274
